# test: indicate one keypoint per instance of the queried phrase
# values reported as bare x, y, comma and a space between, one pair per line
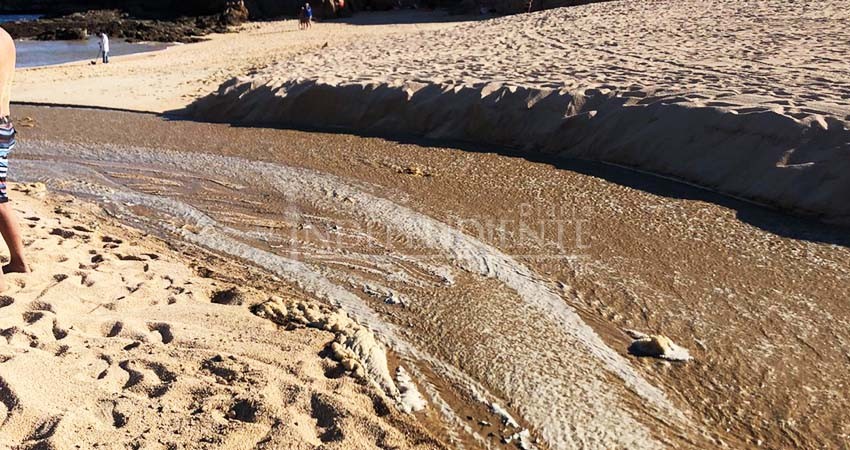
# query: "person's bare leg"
7, 71
12, 235
8, 222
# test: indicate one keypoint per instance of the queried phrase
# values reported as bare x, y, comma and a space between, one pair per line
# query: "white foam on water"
410, 396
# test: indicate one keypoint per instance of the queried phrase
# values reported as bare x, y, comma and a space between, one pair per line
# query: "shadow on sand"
780, 223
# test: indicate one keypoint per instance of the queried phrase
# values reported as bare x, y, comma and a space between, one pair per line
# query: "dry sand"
748, 98
116, 340
173, 78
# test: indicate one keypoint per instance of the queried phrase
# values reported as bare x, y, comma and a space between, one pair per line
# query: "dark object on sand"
230, 296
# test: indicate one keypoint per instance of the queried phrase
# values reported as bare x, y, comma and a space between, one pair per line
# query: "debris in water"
656, 346
506, 417
522, 438
411, 399
393, 298
416, 171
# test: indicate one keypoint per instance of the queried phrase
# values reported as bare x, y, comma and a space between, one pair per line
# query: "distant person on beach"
309, 13
104, 47
8, 222
302, 18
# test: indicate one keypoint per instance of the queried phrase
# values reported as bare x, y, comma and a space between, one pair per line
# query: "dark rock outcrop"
122, 25
233, 10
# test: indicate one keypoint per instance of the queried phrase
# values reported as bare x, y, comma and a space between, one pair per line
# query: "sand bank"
747, 98
117, 340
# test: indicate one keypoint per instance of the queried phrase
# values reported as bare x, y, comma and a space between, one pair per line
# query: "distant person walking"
309, 13
302, 18
104, 47
8, 222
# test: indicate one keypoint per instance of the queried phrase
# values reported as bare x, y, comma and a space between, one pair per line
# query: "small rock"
65, 234
415, 171
657, 346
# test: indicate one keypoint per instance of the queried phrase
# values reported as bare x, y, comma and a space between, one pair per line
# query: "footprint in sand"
226, 369
44, 430
152, 378
59, 333
110, 242
19, 338
107, 360
110, 412
88, 279
36, 311
112, 329
64, 234
8, 399
164, 330
327, 413
60, 277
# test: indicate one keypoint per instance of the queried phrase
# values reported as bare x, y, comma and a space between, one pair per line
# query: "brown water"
501, 281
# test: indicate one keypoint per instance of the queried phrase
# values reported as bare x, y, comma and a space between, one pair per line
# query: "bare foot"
16, 268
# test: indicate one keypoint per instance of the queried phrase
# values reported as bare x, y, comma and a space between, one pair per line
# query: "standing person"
8, 222
309, 12
302, 18
104, 47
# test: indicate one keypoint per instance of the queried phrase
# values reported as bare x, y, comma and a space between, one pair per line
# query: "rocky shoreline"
160, 21
121, 25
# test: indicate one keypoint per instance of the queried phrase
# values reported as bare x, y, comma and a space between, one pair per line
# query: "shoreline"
165, 81
120, 50
159, 26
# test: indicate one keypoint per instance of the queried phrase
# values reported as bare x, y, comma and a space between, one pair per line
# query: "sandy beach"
473, 266
746, 98
174, 78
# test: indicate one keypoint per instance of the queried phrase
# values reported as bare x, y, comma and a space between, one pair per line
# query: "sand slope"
114, 342
748, 98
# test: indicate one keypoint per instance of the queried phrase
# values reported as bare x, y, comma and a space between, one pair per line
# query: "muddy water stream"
501, 284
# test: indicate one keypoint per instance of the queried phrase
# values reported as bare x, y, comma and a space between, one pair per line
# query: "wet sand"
757, 297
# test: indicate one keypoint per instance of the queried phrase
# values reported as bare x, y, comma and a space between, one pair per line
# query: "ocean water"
47, 53
15, 17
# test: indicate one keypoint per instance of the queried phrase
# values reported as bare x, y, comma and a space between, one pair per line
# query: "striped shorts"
7, 143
